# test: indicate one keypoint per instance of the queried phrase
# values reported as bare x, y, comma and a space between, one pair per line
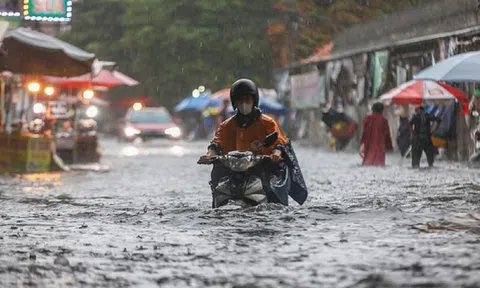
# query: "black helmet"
244, 87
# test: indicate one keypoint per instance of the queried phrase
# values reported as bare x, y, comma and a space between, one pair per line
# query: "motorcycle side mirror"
270, 139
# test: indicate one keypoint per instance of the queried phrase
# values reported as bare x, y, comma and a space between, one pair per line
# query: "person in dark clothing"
420, 127
403, 138
403, 134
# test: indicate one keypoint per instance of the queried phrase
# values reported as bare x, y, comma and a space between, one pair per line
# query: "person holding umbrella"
421, 135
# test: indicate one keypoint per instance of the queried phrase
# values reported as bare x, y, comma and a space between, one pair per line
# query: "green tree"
321, 19
96, 29
172, 46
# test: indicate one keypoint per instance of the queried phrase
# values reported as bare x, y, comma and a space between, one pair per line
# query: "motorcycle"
241, 186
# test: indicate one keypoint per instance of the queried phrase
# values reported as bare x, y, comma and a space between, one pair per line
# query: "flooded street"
147, 222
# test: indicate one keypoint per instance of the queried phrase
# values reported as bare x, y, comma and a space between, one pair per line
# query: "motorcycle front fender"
251, 190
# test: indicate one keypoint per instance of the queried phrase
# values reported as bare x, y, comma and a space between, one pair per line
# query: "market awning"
32, 52
105, 78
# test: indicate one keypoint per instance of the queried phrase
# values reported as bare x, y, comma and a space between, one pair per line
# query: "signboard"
308, 90
48, 10
59, 109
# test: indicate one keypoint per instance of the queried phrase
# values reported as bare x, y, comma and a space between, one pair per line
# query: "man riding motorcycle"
245, 131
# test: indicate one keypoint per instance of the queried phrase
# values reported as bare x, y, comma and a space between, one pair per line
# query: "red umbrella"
105, 78
416, 91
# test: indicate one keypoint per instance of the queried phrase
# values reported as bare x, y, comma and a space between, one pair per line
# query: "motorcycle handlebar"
209, 161
214, 159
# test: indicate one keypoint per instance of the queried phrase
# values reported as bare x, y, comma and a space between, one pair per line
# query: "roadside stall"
27, 128
82, 146
76, 128
440, 101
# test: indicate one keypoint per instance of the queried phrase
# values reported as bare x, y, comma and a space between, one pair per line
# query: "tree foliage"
321, 19
173, 46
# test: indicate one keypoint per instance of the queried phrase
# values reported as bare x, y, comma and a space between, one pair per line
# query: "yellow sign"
22, 154
6, 155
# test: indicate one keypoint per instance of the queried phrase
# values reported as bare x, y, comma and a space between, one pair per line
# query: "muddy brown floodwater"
147, 222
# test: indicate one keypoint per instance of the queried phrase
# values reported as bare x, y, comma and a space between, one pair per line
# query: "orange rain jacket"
230, 137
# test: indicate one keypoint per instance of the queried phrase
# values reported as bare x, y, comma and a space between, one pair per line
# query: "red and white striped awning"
416, 91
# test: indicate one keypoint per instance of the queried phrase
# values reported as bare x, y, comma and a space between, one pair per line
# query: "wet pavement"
147, 222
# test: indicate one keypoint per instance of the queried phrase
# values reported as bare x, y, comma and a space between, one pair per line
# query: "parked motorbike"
241, 186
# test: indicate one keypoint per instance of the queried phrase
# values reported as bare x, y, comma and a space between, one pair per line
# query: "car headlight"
174, 132
239, 164
130, 131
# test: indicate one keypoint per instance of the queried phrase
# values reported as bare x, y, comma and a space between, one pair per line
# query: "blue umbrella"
269, 106
215, 102
193, 104
460, 68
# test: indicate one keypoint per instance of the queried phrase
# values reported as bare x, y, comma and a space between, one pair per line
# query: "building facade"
369, 59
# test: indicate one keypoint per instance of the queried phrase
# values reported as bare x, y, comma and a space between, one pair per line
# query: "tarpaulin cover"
33, 52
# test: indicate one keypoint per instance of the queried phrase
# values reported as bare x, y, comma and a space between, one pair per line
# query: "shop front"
32, 110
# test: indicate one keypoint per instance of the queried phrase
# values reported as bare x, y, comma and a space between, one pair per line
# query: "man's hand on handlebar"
207, 157
276, 156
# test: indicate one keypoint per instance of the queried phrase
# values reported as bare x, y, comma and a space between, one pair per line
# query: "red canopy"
415, 92
105, 78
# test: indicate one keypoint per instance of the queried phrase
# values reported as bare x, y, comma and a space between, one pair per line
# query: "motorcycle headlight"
174, 132
130, 131
239, 164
